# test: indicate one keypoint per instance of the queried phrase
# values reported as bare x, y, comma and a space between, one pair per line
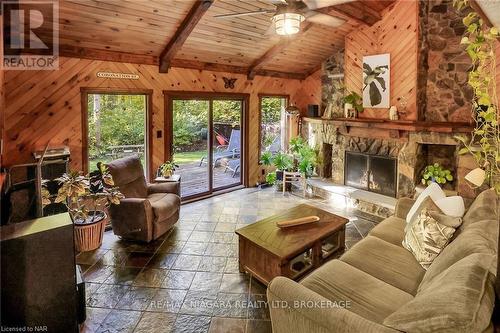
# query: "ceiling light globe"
287, 23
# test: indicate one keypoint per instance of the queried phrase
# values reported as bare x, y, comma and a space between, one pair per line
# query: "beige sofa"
378, 286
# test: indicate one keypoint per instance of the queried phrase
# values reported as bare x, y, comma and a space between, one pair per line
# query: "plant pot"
279, 175
167, 174
347, 108
89, 233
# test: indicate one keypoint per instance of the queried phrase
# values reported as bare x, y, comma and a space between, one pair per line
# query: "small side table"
172, 179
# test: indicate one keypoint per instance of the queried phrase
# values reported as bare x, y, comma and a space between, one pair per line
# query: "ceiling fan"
289, 14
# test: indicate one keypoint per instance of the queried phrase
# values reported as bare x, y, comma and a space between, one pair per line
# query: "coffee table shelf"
267, 251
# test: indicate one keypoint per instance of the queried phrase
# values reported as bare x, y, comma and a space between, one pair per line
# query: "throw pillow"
433, 191
428, 235
452, 206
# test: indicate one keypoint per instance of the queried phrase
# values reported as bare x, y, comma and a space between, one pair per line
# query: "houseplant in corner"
479, 41
85, 198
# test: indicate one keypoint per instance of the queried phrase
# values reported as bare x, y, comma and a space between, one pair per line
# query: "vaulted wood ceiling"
139, 32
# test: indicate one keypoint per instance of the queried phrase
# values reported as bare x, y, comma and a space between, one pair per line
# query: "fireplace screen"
373, 173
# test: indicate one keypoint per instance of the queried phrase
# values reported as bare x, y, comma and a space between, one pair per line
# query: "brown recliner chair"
148, 210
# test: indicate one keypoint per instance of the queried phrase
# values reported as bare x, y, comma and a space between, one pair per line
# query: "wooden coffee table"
266, 251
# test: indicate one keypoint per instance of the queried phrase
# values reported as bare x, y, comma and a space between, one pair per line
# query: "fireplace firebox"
371, 172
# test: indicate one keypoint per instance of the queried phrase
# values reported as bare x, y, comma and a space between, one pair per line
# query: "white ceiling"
491, 8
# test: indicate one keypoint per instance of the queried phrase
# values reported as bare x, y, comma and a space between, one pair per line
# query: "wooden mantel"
396, 127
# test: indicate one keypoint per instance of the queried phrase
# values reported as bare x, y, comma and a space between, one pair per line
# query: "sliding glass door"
191, 124
206, 141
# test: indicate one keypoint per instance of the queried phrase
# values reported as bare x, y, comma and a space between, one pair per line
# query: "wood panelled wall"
44, 106
397, 35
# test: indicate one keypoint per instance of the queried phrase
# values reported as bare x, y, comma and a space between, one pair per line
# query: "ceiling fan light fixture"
287, 23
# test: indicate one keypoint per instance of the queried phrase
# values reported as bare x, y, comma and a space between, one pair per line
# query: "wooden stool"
294, 177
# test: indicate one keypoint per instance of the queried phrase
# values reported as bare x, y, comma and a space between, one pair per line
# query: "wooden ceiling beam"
204, 66
275, 50
355, 11
187, 26
106, 55
123, 57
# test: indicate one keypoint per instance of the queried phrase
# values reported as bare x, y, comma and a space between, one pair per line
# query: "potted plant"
85, 198
167, 169
435, 173
282, 162
353, 101
271, 178
306, 161
266, 159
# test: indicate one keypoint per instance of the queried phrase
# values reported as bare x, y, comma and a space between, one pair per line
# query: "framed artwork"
376, 81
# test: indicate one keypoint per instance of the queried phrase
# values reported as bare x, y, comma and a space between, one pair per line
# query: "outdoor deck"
194, 178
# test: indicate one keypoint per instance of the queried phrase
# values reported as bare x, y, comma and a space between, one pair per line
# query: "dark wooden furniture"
38, 275
266, 251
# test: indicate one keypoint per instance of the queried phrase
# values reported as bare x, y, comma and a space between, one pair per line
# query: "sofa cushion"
480, 237
392, 230
460, 299
484, 207
164, 205
427, 236
387, 262
369, 297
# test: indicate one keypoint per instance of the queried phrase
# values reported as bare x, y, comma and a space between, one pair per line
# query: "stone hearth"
407, 150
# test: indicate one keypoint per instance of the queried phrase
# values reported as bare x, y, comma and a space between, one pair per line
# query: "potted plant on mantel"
353, 104
84, 197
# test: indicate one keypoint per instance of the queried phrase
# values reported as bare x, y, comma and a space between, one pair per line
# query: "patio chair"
234, 166
231, 151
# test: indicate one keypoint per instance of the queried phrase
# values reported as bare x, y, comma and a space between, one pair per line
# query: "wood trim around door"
85, 91
261, 96
170, 95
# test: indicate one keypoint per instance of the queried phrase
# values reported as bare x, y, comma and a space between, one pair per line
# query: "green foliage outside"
117, 120
271, 109
191, 121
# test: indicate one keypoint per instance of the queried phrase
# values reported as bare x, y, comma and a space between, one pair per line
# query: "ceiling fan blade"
319, 18
317, 4
278, 2
271, 31
255, 12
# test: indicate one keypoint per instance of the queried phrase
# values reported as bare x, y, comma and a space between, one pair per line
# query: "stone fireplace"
371, 172
396, 161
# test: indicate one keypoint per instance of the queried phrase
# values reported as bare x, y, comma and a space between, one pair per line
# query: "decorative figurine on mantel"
393, 113
328, 113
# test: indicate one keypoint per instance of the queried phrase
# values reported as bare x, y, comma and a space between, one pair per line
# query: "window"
272, 120
115, 125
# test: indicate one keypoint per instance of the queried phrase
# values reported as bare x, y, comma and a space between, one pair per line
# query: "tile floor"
188, 281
